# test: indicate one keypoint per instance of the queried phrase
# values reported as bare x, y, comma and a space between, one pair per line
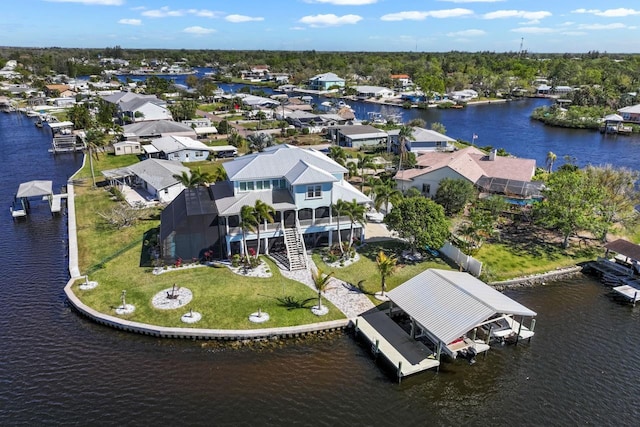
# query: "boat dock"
35, 190
407, 355
621, 271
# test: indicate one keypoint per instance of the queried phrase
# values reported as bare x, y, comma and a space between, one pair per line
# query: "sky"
539, 26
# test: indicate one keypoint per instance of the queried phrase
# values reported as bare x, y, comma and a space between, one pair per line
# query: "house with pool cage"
300, 184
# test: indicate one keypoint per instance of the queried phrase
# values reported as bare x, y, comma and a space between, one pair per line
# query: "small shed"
127, 147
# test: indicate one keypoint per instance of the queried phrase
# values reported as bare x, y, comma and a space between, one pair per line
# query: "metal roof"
171, 144
35, 189
449, 303
158, 173
624, 247
303, 173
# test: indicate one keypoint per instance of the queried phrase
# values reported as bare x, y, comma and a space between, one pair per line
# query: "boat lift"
35, 190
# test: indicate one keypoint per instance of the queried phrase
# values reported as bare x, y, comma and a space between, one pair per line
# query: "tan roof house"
469, 163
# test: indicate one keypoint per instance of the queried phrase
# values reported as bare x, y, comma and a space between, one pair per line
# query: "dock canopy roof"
449, 303
35, 189
624, 247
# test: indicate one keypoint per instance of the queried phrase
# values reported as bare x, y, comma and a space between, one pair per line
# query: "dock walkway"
407, 355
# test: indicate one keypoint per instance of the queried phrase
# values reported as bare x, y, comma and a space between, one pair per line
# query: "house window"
198, 154
426, 189
250, 185
279, 183
266, 184
314, 191
243, 186
258, 185
166, 191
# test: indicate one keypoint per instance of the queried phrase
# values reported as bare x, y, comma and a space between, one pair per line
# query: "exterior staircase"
296, 250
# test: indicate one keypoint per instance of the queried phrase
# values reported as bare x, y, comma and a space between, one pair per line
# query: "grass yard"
366, 269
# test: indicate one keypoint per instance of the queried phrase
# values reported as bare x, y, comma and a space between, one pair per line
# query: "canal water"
57, 367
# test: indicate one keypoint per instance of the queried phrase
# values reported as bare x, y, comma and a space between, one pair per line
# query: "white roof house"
374, 92
181, 148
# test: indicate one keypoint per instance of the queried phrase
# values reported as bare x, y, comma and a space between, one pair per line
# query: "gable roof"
228, 204
129, 101
428, 135
172, 144
158, 173
472, 164
361, 131
156, 127
451, 303
633, 109
327, 77
304, 173
278, 161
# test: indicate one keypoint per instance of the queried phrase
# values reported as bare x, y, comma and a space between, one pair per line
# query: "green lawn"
366, 270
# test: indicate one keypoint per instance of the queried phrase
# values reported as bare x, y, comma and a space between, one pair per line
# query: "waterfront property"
322, 82
440, 312
301, 185
35, 191
177, 148
63, 137
469, 163
133, 107
356, 136
630, 114
421, 141
153, 129
619, 268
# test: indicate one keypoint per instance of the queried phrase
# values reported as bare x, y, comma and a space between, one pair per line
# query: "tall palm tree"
406, 133
386, 193
338, 154
339, 208
262, 212
248, 223
321, 283
551, 158
356, 213
194, 178
386, 267
364, 161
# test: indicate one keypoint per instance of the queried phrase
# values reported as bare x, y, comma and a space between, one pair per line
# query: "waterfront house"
378, 92
469, 163
463, 95
323, 82
300, 184
401, 81
422, 140
179, 148
356, 136
630, 114
148, 130
133, 107
154, 178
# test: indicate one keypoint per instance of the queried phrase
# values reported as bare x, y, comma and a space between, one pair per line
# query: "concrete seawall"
538, 279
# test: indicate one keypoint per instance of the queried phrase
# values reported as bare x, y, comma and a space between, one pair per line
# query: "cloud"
91, 2
242, 18
534, 30
204, 13
329, 20
297, 28
574, 33
344, 2
472, 1
467, 33
163, 12
530, 16
609, 13
421, 16
615, 26
198, 30
130, 21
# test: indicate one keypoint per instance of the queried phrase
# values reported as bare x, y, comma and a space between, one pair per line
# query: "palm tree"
339, 208
364, 161
248, 223
386, 267
356, 213
194, 178
338, 154
386, 193
406, 133
551, 158
321, 283
262, 212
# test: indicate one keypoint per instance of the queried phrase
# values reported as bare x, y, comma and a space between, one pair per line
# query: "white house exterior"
356, 136
138, 108
421, 141
374, 92
325, 81
181, 149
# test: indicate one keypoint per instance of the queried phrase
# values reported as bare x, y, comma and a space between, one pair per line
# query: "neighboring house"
463, 95
365, 92
126, 147
469, 163
543, 90
198, 122
60, 91
155, 176
325, 81
303, 119
300, 184
133, 107
256, 73
148, 130
630, 114
562, 90
401, 80
356, 136
180, 148
422, 140
255, 102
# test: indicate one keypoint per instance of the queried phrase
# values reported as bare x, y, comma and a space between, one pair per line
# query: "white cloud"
329, 20
467, 33
90, 2
574, 33
615, 26
534, 30
204, 13
163, 12
345, 2
472, 1
297, 28
198, 30
242, 18
609, 13
130, 21
531, 16
415, 15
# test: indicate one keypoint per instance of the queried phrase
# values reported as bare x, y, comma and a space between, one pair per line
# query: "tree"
364, 161
263, 212
551, 158
183, 110
420, 221
385, 193
248, 223
569, 204
194, 178
339, 208
338, 154
386, 267
259, 141
454, 194
321, 283
406, 133
79, 115
356, 213
223, 127
438, 127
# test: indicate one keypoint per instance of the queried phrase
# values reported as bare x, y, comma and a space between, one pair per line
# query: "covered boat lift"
623, 270
35, 190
